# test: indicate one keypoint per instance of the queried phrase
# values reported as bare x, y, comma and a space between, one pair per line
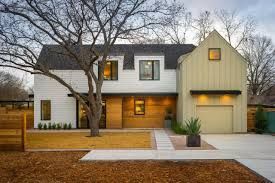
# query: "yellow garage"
216, 119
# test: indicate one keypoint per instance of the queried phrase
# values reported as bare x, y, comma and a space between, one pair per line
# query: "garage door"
215, 119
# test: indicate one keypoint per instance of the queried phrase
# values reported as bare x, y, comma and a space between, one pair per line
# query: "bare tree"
173, 29
235, 28
203, 25
260, 55
27, 25
11, 87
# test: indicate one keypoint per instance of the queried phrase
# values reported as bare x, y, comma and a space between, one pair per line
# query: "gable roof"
52, 57
214, 32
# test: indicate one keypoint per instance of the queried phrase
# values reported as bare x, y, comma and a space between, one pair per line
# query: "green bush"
65, 126
58, 126
261, 120
178, 128
54, 126
40, 126
45, 126
193, 126
70, 126
50, 125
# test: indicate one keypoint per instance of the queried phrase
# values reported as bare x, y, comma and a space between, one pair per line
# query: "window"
139, 107
214, 54
149, 70
45, 110
111, 71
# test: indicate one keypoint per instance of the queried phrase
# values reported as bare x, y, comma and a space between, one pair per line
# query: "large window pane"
45, 110
111, 70
156, 70
149, 70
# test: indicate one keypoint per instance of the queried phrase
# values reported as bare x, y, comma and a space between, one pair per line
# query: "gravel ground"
65, 167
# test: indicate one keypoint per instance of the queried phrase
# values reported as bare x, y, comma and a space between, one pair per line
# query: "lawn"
80, 140
65, 167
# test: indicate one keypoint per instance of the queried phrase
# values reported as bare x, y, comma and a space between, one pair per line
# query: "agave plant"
193, 126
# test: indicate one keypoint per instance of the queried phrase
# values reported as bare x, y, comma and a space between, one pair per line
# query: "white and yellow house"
143, 80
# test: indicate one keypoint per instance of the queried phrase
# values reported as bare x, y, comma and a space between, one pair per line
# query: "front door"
83, 121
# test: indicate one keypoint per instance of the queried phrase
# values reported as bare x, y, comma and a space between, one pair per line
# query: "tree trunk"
94, 119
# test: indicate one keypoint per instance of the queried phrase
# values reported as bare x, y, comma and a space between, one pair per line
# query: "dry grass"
65, 167
79, 140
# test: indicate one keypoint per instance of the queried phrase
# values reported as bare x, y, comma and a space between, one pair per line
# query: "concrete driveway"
254, 151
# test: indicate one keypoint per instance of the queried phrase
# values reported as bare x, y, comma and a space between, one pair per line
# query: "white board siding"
64, 107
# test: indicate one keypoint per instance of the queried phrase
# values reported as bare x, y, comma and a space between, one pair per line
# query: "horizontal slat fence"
29, 113
251, 110
12, 132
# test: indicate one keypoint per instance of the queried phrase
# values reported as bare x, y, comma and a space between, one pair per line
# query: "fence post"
23, 132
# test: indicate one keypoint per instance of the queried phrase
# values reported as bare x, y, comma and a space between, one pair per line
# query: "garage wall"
196, 72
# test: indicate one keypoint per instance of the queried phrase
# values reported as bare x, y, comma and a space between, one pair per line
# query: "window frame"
110, 71
41, 109
220, 56
135, 106
153, 70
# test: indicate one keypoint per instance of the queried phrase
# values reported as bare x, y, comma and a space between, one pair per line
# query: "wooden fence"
29, 113
251, 110
12, 132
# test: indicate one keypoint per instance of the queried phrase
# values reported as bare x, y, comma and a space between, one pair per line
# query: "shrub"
261, 120
178, 128
65, 126
54, 126
45, 126
193, 126
70, 126
50, 125
40, 126
58, 126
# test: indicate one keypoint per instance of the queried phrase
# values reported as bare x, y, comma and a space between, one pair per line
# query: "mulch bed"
179, 142
65, 167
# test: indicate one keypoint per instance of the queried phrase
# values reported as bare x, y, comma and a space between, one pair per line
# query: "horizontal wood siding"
155, 110
12, 132
113, 112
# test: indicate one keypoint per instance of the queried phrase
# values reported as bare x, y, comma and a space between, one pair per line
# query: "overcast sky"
262, 10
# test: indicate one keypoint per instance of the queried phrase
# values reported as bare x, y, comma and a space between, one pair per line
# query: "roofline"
215, 31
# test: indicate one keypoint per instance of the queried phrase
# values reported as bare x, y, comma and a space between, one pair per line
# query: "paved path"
254, 151
163, 142
257, 152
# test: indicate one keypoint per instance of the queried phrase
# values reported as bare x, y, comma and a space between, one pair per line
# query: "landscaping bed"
81, 140
65, 167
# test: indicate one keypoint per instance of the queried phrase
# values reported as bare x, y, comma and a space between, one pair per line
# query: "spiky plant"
193, 126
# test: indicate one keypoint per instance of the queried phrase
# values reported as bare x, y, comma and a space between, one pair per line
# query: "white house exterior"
136, 98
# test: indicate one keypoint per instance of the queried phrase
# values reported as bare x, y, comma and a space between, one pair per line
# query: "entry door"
216, 119
83, 121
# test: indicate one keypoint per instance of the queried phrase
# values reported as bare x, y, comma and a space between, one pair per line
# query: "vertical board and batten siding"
63, 108
198, 73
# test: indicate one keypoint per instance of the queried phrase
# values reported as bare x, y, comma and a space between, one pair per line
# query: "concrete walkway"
257, 152
163, 142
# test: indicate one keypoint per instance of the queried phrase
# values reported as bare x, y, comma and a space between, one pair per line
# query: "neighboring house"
142, 82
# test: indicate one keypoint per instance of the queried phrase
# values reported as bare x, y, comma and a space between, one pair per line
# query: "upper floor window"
45, 110
214, 54
111, 70
149, 70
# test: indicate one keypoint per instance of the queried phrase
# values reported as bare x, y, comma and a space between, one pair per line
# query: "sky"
262, 10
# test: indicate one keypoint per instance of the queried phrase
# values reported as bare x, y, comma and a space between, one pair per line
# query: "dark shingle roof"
51, 56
